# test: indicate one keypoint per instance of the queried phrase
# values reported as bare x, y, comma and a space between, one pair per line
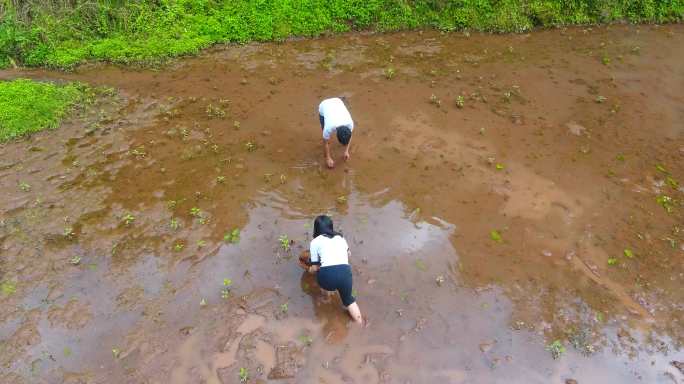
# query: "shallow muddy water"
504, 193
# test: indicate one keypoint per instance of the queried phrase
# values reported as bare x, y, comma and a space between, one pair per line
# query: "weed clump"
28, 106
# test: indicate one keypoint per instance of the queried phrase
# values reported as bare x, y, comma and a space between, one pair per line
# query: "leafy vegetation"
64, 34
496, 236
28, 106
8, 288
243, 374
233, 236
556, 348
284, 242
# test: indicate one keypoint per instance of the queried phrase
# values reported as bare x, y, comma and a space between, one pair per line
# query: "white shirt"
329, 251
335, 114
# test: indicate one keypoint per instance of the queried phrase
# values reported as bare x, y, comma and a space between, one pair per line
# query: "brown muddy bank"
504, 192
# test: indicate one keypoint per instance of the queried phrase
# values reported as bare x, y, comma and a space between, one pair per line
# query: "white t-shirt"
335, 114
329, 251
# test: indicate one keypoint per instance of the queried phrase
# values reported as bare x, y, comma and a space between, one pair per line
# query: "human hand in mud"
330, 162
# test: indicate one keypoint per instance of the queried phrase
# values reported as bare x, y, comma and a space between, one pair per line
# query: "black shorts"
337, 278
322, 120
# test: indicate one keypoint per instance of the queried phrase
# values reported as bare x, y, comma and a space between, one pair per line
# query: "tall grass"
64, 33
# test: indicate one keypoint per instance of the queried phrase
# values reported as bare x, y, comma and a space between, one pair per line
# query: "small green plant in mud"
283, 179
674, 184
389, 73
196, 212
66, 351
306, 339
201, 243
128, 219
460, 102
496, 236
174, 224
215, 112
499, 167
171, 204
233, 236
628, 253
139, 153
283, 308
220, 179
225, 291
605, 59
556, 348
661, 168
25, 187
178, 247
612, 261
69, 232
250, 146
620, 157
243, 375
236, 125
666, 202
599, 317
8, 288
203, 302
601, 99
581, 339
76, 260
673, 242
420, 264
116, 352
341, 199
284, 242
434, 100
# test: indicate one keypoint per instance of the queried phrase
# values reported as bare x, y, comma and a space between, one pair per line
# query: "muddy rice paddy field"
512, 203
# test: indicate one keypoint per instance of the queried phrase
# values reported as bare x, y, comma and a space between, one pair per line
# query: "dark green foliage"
65, 33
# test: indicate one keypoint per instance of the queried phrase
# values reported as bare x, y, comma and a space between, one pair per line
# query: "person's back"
330, 251
335, 119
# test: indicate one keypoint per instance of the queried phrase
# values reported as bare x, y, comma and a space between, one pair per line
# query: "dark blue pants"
337, 278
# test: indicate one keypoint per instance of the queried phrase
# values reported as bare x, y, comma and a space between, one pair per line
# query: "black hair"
344, 134
323, 225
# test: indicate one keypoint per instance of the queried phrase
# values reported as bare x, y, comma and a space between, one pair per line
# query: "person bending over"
335, 119
329, 260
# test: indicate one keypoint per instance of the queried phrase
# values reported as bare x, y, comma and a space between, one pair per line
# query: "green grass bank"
64, 33
28, 106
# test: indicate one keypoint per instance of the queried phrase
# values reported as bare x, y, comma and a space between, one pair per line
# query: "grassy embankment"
28, 106
62, 34
65, 33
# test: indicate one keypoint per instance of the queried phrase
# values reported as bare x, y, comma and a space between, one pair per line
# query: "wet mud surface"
509, 198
